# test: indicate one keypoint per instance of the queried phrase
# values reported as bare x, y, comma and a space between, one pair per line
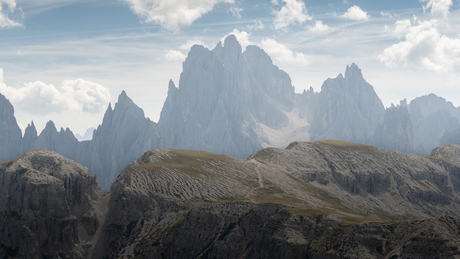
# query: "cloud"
42, 99
5, 21
423, 47
236, 11
293, 12
356, 13
439, 8
241, 36
258, 25
402, 27
174, 55
385, 14
189, 44
282, 53
319, 27
172, 14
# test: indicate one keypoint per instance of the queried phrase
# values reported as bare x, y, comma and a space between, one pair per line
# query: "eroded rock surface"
50, 207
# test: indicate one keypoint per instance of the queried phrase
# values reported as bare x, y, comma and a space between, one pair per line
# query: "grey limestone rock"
223, 95
348, 109
396, 132
10, 133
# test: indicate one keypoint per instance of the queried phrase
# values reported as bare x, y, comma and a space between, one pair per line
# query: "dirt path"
261, 184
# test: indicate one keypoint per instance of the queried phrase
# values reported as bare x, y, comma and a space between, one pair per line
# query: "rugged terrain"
325, 199
50, 207
322, 199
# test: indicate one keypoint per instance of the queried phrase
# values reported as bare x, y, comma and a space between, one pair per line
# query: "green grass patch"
344, 145
188, 161
264, 153
128, 179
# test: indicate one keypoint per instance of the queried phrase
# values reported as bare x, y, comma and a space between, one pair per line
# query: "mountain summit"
227, 96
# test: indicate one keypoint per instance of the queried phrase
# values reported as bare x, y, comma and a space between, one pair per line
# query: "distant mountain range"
236, 103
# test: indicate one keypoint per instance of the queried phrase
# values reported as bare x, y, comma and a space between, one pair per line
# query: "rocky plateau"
322, 199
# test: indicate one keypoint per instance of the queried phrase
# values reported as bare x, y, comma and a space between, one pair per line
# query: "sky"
65, 60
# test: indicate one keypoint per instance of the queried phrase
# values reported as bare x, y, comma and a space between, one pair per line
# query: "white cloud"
356, 13
5, 21
189, 44
241, 36
258, 25
319, 27
439, 8
293, 12
174, 55
282, 53
236, 11
385, 14
402, 27
74, 95
424, 47
173, 13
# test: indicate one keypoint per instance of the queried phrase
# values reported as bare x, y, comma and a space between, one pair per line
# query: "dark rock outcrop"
326, 199
50, 207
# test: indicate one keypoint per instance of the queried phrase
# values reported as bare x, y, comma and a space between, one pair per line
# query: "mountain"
10, 133
348, 109
396, 132
326, 199
236, 102
50, 207
432, 103
228, 101
322, 199
87, 136
124, 135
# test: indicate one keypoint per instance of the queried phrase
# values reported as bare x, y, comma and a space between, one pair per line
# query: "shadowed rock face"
324, 199
296, 202
49, 207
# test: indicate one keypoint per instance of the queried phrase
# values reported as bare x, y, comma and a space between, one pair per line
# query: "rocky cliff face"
324, 199
50, 207
306, 200
396, 132
227, 96
348, 109
431, 103
10, 133
124, 135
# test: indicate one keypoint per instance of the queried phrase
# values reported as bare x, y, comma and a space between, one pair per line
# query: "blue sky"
65, 60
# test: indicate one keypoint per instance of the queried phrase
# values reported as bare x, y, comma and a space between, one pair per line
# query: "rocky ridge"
322, 199
50, 207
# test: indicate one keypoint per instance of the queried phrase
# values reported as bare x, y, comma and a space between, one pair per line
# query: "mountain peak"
353, 71
123, 100
171, 86
232, 49
50, 125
